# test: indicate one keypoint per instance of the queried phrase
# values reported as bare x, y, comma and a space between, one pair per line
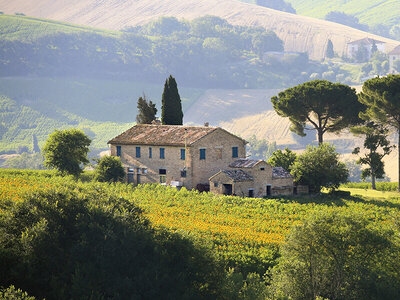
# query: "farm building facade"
196, 157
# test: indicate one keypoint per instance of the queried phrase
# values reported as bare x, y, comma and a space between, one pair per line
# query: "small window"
162, 171
130, 170
138, 170
144, 171
183, 154
138, 152
235, 152
150, 152
218, 152
262, 169
163, 179
183, 173
215, 184
162, 153
202, 154
118, 150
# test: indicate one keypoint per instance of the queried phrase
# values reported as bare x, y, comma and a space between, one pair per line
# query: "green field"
244, 232
370, 12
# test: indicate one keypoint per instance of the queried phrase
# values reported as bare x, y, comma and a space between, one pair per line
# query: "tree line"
324, 106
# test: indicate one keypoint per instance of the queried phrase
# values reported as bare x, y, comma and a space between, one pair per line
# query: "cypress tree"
329, 50
171, 111
35, 146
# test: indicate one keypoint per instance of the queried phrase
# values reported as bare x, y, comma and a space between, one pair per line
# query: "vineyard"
245, 233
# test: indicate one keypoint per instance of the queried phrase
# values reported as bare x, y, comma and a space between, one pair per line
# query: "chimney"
206, 124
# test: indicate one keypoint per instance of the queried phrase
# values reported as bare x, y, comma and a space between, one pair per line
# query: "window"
162, 153
235, 152
215, 184
162, 171
183, 154
131, 170
202, 154
118, 150
183, 173
150, 152
262, 169
251, 193
137, 152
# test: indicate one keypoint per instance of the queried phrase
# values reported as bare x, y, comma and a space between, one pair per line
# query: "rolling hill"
371, 12
299, 33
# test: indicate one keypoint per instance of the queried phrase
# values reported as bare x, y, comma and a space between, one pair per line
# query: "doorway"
228, 189
268, 190
130, 178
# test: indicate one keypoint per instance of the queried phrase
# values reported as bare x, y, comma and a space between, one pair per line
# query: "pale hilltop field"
299, 33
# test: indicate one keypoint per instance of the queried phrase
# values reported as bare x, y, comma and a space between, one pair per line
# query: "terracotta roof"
238, 175
366, 41
395, 51
244, 163
279, 172
170, 135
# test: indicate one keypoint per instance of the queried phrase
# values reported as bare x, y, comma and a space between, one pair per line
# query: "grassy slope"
298, 32
106, 107
371, 12
28, 28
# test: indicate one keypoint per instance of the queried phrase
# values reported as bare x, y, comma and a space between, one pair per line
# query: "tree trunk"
373, 181
398, 147
320, 136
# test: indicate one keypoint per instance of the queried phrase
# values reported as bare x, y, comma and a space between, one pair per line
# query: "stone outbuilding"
253, 178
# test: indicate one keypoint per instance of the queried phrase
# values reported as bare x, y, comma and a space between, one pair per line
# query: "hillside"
299, 33
371, 12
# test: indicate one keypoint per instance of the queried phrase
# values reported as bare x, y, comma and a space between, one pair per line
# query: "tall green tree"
284, 159
66, 150
381, 95
329, 50
171, 111
146, 111
326, 106
375, 139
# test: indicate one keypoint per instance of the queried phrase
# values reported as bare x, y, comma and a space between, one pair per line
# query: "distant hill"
299, 33
370, 12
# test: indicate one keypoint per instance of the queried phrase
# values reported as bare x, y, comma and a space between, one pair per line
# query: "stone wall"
218, 145
172, 163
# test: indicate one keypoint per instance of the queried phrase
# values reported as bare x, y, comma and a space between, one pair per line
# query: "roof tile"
169, 135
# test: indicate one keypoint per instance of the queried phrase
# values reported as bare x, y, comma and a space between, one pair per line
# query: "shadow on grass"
337, 200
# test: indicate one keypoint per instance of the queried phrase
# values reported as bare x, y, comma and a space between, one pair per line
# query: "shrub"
319, 167
337, 256
109, 169
84, 241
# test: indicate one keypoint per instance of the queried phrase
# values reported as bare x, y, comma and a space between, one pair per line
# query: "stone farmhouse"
196, 156
367, 43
